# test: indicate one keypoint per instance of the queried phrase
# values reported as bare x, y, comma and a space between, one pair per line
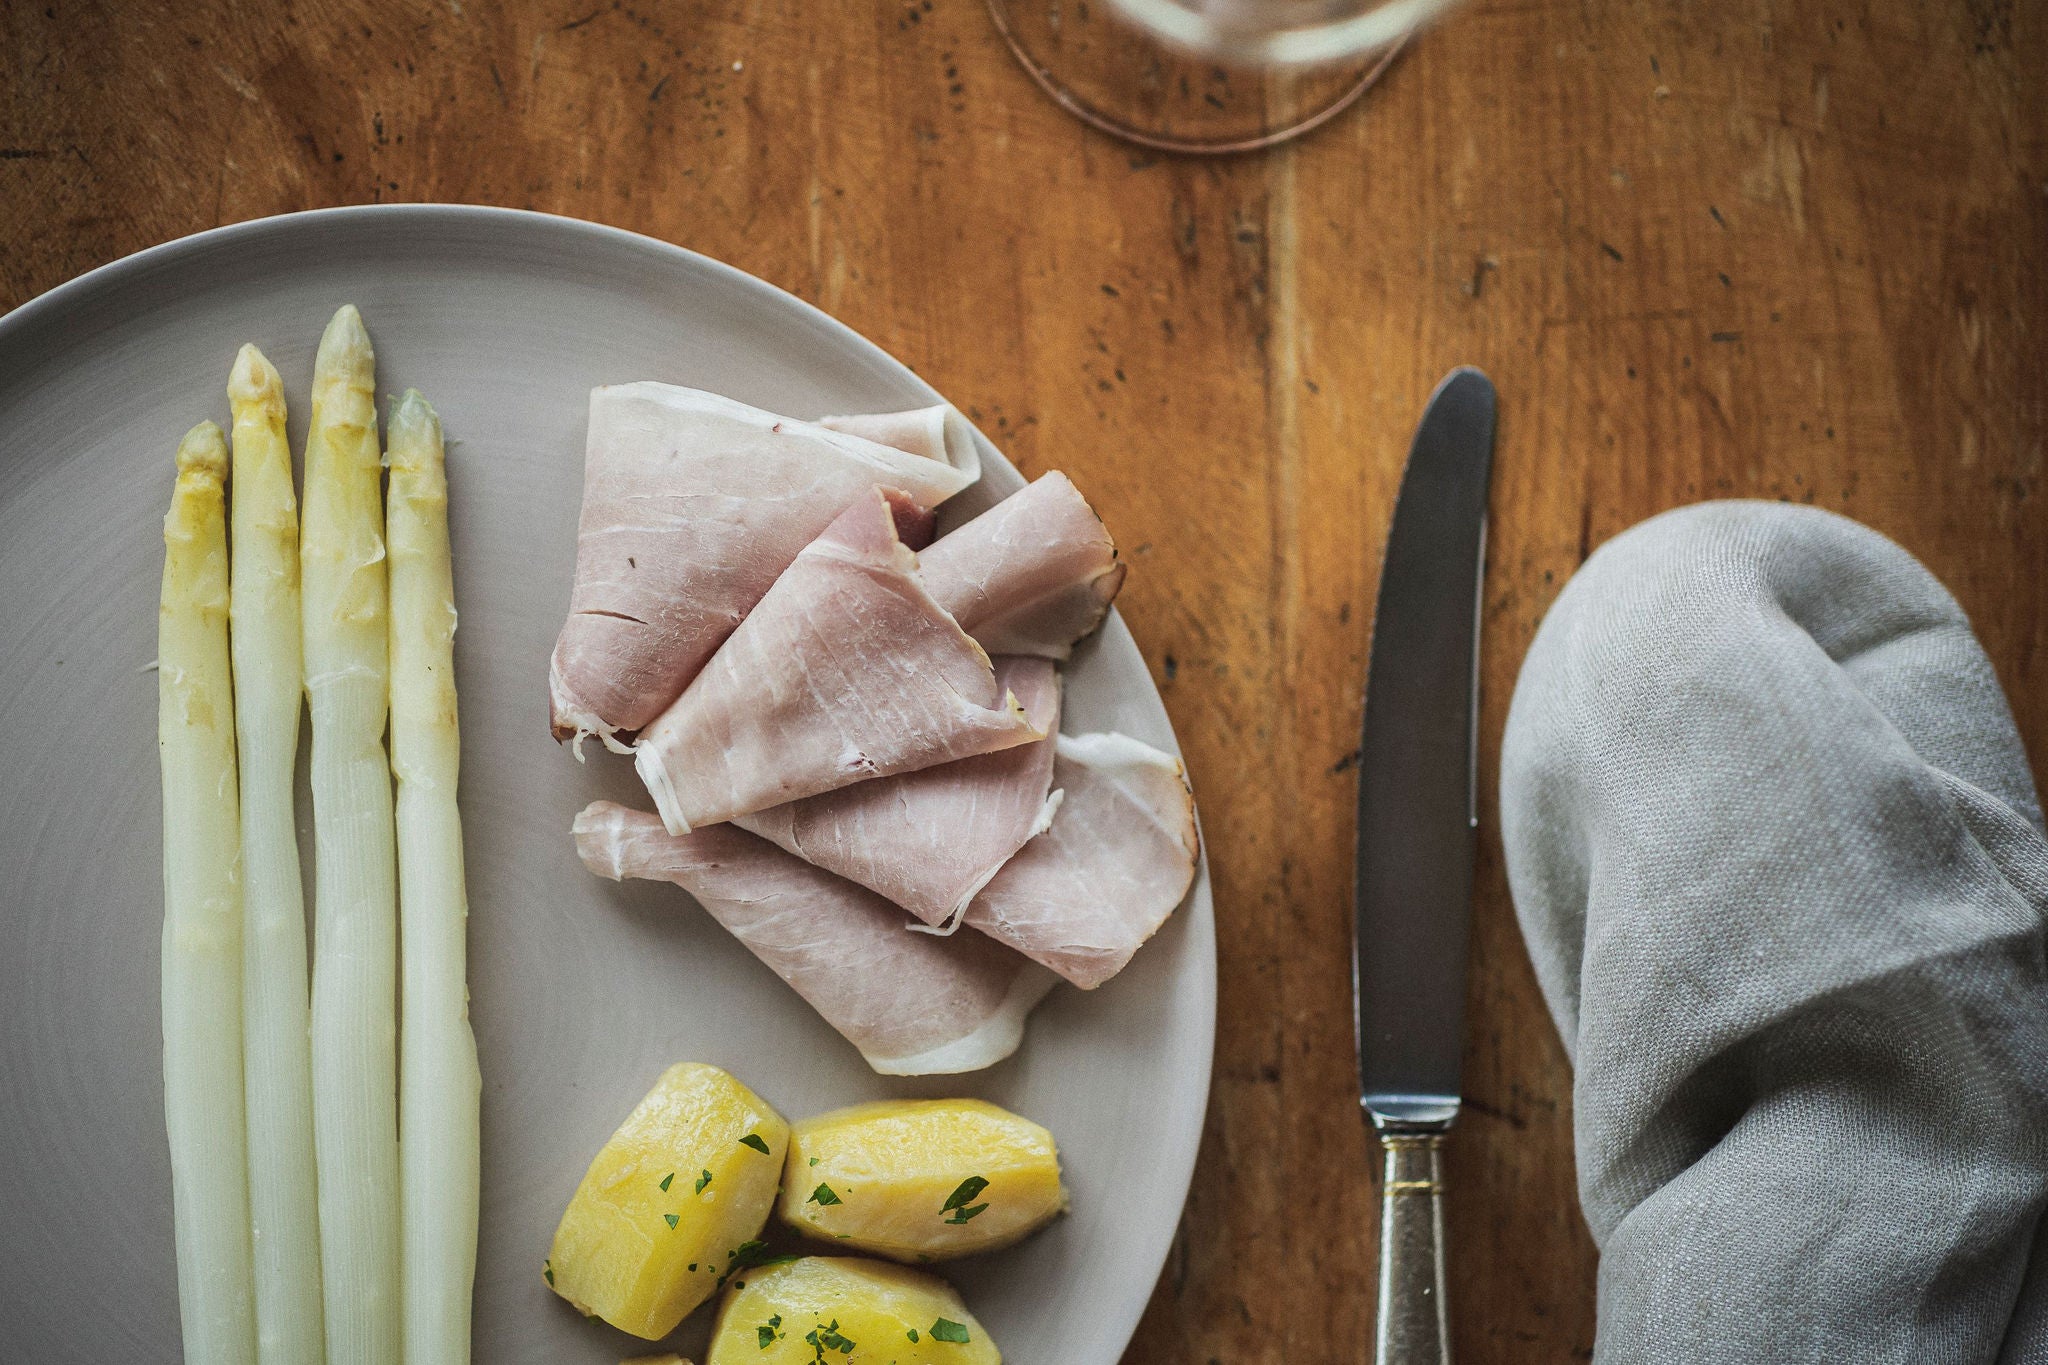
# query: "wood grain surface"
1752, 249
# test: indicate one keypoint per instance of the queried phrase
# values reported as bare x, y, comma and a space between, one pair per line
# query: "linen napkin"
1780, 865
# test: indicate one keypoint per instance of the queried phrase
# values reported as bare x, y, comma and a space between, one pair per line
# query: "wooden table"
1758, 249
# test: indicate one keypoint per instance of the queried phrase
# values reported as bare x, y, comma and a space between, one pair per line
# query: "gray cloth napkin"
1780, 865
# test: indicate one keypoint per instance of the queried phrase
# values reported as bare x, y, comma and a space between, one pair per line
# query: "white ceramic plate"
583, 991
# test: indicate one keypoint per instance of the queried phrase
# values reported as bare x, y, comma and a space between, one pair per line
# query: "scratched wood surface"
1759, 248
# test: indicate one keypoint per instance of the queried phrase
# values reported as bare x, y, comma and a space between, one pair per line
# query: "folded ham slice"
1031, 575
937, 433
913, 1004
846, 670
693, 505
1116, 861
929, 840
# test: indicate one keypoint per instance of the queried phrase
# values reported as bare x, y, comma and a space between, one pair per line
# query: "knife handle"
1414, 1326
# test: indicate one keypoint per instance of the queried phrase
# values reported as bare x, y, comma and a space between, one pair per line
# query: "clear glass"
1208, 75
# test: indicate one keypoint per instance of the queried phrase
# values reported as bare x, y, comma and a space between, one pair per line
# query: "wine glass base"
1128, 84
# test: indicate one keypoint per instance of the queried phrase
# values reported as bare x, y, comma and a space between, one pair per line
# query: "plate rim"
49, 308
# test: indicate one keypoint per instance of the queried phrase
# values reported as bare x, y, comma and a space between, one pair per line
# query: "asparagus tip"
414, 432
204, 450
345, 342
253, 379
411, 407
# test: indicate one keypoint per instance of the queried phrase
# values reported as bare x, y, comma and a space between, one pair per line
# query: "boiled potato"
849, 1312
671, 1204
920, 1180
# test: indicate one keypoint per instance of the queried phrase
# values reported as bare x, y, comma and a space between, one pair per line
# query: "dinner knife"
1417, 825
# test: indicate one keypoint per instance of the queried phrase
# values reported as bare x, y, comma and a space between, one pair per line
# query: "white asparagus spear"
277, 1075
355, 929
438, 1079
202, 953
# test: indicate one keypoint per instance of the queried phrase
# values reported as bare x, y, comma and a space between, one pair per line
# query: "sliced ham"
1031, 575
928, 840
693, 505
937, 433
846, 670
1116, 861
913, 1004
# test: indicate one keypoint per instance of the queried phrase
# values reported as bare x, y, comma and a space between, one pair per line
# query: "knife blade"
1417, 838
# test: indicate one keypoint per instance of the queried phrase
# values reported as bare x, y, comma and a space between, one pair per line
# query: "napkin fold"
1781, 868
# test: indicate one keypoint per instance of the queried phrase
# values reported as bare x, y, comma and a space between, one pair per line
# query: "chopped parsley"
765, 1334
547, 1270
969, 1188
814, 1160
945, 1329
667, 1181
912, 1334
960, 1203
755, 1141
746, 1256
671, 1219
823, 1195
702, 1181
823, 1339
